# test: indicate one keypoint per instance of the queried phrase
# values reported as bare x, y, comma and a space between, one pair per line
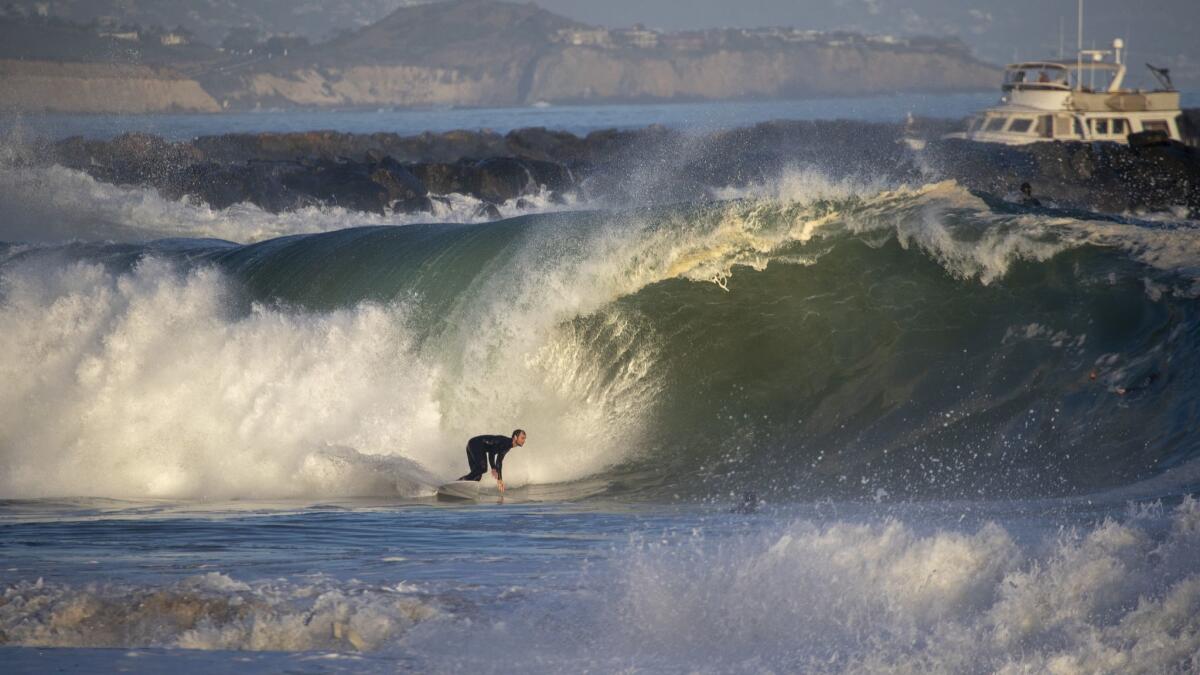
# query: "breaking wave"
818, 339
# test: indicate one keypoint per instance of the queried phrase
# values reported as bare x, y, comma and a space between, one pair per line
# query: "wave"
212, 611
849, 341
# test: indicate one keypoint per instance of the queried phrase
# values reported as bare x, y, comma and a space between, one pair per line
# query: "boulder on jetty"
304, 170
1103, 177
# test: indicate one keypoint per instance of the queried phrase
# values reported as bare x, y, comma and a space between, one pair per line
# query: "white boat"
1080, 100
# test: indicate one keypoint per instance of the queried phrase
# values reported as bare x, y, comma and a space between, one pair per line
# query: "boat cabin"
1081, 100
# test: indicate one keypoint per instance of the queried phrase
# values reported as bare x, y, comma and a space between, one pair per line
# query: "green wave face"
874, 372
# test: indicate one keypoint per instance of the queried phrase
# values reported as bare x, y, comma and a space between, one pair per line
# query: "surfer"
1027, 198
484, 451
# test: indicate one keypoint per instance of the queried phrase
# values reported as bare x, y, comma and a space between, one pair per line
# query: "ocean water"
577, 119
820, 424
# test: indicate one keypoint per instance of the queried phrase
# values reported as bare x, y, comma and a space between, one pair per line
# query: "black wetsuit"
483, 451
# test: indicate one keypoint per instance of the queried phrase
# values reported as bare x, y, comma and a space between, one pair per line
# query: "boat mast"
1079, 51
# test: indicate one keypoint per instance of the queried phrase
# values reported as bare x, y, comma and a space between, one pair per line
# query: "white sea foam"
805, 184
874, 598
150, 383
959, 230
947, 222
211, 611
146, 384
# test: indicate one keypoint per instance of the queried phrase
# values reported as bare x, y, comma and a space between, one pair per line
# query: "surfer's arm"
498, 465
497, 469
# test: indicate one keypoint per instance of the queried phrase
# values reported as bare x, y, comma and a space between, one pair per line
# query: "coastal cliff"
36, 86
473, 53
575, 75
578, 74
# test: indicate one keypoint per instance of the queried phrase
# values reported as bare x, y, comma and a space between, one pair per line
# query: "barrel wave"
847, 342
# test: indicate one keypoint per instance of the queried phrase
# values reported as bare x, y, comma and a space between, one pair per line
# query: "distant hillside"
475, 52
36, 86
482, 53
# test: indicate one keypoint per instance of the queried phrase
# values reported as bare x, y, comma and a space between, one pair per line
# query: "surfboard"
459, 489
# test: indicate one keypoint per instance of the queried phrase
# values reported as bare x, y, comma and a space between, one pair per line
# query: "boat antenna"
1079, 51
1163, 75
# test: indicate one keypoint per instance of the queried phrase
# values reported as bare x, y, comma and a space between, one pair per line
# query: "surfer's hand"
501, 484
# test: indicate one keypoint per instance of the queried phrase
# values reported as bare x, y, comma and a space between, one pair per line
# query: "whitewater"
824, 423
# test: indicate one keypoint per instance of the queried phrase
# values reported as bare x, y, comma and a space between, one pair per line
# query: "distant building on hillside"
638, 36
797, 35
584, 38
173, 39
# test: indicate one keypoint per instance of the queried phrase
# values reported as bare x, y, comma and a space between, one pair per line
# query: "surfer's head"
518, 438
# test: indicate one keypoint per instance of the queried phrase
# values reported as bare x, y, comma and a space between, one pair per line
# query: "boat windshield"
1036, 76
